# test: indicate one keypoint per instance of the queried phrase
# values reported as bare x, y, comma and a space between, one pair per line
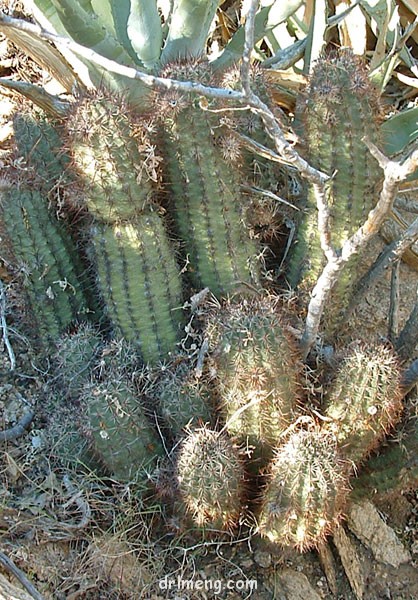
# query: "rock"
297, 587
366, 524
350, 561
263, 559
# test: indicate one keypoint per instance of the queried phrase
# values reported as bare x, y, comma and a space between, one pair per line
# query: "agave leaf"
41, 51
266, 20
382, 16
399, 131
189, 28
52, 105
86, 29
145, 32
316, 14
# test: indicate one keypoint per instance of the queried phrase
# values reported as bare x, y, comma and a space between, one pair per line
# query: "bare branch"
248, 47
394, 172
19, 429
3, 325
9, 565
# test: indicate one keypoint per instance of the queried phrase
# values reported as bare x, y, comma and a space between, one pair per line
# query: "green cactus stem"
113, 156
338, 110
74, 360
182, 397
140, 283
257, 373
306, 493
206, 198
365, 400
42, 249
41, 144
395, 468
210, 478
119, 431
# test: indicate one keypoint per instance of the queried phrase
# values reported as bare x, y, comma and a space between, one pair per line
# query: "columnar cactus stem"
210, 478
339, 110
140, 283
257, 373
47, 256
307, 491
365, 400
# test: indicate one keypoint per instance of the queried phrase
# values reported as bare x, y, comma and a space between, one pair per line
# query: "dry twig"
9, 565
3, 325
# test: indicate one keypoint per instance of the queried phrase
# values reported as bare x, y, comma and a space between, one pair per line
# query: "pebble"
263, 559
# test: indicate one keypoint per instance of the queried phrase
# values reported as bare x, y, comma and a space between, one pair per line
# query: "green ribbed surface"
306, 492
364, 400
207, 205
119, 431
106, 153
210, 478
140, 283
48, 258
40, 143
182, 397
256, 366
339, 109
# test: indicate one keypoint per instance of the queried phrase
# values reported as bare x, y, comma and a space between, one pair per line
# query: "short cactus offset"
340, 108
306, 493
140, 283
41, 247
183, 399
365, 400
119, 431
258, 371
110, 154
210, 478
206, 197
74, 359
41, 144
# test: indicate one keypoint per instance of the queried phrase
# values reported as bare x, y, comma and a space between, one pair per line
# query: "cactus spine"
44, 251
183, 399
207, 201
210, 478
119, 431
365, 400
339, 109
257, 373
41, 144
306, 493
139, 282
106, 151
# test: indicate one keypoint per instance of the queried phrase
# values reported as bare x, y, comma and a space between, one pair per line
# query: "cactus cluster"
255, 434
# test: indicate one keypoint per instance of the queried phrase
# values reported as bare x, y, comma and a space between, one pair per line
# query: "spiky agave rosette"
338, 110
257, 373
210, 478
365, 399
307, 491
206, 194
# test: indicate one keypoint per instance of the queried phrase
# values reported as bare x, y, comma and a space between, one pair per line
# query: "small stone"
297, 586
366, 523
263, 559
247, 563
